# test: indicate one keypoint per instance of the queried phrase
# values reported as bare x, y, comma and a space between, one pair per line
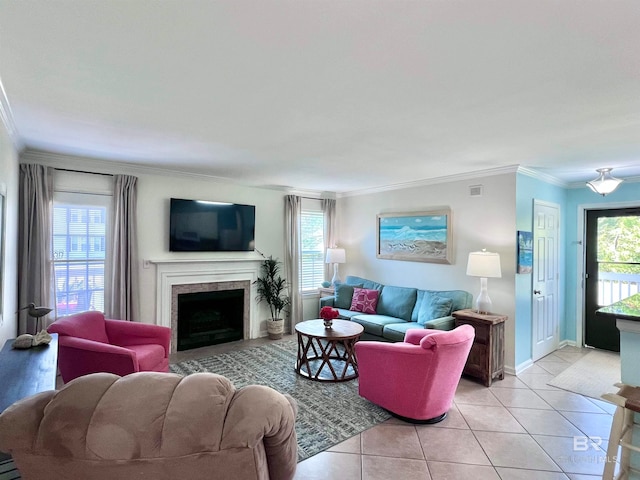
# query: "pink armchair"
89, 343
415, 380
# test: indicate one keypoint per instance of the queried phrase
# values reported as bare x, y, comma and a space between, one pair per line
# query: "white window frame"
311, 206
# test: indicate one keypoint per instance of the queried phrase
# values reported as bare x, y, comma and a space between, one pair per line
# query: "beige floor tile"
544, 422
536, 369
578, 476
475, 394
329, 466
538, 381
604, 405
568, 401
351, 445
571, 357
515, 450
458, 471
518, 397
591, 424
520, 474
392, 441
551, 358
454, 419
554, 368
451, 445
494, 419
583, 459
384, 468
509, 381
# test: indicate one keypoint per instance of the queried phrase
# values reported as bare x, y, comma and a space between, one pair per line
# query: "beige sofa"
152, 425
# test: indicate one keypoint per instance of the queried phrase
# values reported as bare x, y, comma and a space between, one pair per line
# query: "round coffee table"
327, 354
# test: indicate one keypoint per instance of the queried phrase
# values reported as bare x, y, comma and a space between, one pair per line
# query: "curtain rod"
82, 171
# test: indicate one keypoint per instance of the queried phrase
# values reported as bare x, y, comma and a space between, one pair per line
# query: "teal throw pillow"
434, 306
344, 294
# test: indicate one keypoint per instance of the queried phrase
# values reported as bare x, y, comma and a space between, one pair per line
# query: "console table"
26, 372
486, 358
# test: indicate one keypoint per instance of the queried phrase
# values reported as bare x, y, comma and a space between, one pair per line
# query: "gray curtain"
123, 297
34, 242
293, 214
329, 211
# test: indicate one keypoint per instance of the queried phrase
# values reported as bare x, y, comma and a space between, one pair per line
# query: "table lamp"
335, 256
484, 265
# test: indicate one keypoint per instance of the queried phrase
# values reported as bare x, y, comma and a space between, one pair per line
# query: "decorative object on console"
605, 183
26, 340
273, 290
36, 312
328, 314
418, 236
335, 255
484, 265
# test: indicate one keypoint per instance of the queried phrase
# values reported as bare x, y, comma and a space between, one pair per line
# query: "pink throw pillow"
364, 300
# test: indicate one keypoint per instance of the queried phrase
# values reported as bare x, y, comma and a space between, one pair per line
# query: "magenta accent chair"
416, 379
89, 343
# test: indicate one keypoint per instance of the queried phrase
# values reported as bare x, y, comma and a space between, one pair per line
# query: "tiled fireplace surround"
174, 277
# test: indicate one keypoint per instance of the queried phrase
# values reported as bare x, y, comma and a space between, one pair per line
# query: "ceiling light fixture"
605, 183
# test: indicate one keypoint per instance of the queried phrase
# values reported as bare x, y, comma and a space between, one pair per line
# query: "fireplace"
209, 318
185, 276
206, 314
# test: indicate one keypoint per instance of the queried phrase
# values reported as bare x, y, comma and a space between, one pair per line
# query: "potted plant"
273, 289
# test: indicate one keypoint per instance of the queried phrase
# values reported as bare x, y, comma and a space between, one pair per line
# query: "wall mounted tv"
203, 226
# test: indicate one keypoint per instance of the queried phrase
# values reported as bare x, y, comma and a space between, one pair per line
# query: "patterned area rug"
328, 413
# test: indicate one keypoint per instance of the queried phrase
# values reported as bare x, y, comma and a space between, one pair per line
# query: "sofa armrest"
327, 301
124, 333
442, 323
79, 356
261, 414
414, 335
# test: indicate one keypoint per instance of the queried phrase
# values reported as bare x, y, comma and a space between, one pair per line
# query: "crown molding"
6, 117
545, 177
433, 181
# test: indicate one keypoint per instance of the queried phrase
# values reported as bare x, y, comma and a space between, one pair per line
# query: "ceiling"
329, 95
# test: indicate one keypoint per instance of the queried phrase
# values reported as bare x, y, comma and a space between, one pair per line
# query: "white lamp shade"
484, 264
605, 183
335, 255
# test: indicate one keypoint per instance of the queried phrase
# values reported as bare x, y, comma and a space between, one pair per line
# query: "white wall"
155, 189
487, 222
9, 184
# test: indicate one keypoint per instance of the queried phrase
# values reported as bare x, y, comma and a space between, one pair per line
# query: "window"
79, 251
312, 254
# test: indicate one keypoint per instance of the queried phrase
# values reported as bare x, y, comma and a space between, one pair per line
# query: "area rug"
328, 413
592, 375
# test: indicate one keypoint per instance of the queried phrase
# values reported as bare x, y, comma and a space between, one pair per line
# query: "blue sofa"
398, 308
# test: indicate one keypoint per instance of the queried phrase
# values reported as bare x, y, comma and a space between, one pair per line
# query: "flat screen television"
203, 226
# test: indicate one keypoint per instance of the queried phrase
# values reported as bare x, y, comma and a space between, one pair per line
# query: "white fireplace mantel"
191, 271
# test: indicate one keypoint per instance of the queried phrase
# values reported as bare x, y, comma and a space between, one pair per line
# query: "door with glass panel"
612, 269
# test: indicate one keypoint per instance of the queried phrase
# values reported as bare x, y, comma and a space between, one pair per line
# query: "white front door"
546, 223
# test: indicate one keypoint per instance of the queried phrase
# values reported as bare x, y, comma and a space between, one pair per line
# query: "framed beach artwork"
525, 252
416, 236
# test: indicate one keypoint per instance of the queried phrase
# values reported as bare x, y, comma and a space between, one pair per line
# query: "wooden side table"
328, 354
486, 359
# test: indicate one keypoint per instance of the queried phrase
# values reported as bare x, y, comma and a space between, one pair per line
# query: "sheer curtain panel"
123, 300
329, 211
293, 211
34, 242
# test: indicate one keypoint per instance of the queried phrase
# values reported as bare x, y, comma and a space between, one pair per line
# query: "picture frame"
525, 252
423, 236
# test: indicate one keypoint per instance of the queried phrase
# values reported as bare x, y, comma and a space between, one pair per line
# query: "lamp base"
336, 278
483, 302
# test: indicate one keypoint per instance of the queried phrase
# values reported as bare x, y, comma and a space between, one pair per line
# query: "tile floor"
520, 428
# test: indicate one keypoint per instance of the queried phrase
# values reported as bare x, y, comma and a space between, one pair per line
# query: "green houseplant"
273, 289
